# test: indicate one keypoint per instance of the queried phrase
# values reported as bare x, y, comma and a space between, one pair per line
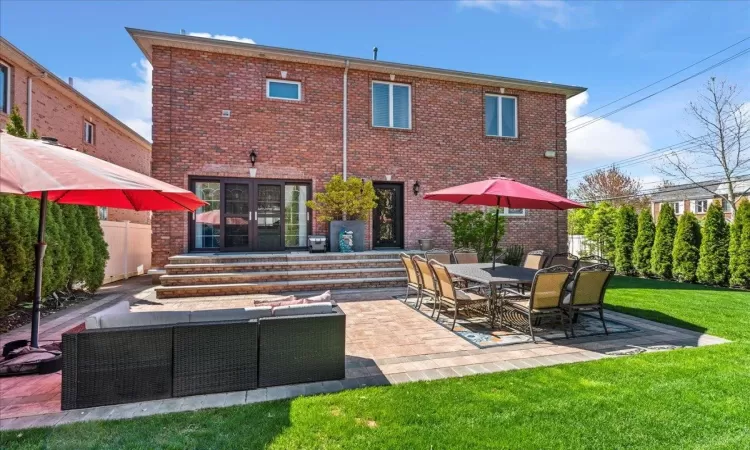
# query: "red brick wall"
303, 140
54, 114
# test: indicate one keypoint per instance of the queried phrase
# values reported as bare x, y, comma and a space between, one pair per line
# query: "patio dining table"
502, 274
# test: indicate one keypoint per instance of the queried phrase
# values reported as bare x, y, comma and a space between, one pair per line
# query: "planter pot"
357, 226
425, 244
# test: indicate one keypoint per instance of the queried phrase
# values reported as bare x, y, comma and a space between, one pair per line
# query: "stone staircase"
199, 275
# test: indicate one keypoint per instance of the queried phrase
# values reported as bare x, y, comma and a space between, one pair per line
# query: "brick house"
305, 116
696, 199
54, 108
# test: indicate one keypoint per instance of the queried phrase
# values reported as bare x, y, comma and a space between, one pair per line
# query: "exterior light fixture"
550, 154
253, 157
415, 188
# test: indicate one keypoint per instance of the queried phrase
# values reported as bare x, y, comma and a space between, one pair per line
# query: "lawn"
693, 398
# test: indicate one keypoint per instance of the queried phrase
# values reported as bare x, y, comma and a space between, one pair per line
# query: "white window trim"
500, 116
86, 124
505, 212
694, 206
390, 104
273, 80
678, 210
9, 100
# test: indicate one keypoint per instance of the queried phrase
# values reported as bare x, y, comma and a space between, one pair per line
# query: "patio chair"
441, 256
544, 299
412, 276
563, 259
587, 293
449, 295
429, 288
465, 256
591, 260
535, 260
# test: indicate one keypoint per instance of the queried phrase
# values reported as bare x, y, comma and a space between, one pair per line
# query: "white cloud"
223, 37
558, 12
129, 101
603, 141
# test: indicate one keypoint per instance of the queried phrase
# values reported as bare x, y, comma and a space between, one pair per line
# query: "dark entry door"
388, 216
237, 215
268, 229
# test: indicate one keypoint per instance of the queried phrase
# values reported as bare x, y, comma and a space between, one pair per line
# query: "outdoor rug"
477, 331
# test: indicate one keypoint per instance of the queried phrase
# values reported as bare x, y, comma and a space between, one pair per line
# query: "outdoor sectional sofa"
124, 357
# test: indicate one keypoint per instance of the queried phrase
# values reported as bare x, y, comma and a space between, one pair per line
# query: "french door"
250, 215
388, 216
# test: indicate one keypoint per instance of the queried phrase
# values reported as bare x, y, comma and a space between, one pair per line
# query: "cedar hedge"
661, 253
686, 250
739, 247
626, 232
713, 267
643, 243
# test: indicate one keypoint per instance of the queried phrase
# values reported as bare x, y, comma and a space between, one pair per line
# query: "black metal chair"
563, 259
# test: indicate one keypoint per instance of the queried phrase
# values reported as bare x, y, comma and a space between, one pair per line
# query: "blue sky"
613, 48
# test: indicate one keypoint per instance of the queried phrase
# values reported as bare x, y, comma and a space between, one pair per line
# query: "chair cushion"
92, 321
142, 319
222, 315
566, 299
569, 286
301, 310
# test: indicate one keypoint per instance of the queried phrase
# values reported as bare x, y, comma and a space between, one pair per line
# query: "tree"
578, 219
626, 232
661, 253
476, 230
611, 185
351, 199
739, 246
643, 243
15, 126
722, 150
686, 250
713, 267
600, 231
95, 273
13, 258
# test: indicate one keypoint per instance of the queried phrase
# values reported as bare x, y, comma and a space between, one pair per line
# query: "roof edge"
145, 39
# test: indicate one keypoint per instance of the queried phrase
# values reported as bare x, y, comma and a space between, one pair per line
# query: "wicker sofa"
124, 357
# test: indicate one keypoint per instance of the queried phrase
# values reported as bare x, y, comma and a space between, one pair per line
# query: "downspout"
346, 84
29, 100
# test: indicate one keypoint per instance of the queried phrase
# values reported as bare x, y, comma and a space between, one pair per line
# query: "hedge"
643, 243
76, 251
739, 247
713, 267
626, 232
661, 253
686, 251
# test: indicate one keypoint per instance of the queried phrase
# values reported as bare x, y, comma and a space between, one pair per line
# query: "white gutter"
29, 101
346, 84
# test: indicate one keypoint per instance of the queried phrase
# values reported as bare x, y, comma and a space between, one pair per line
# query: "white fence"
129, 249
578, 245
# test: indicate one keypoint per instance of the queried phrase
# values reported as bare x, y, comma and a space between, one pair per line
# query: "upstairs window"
391, 105
4, 88
500, 116
284, 90
88, 132
700, 206
677, 206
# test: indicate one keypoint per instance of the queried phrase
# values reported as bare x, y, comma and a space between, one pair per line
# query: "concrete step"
282, 275
199, 258
276, 266
265, 287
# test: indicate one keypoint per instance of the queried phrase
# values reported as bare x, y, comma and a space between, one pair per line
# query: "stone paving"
388, 342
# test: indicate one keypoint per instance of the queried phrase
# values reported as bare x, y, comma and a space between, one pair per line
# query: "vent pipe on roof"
375, 53
182, 31
70, 81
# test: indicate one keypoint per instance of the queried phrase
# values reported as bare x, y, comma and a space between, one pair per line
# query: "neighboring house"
56, 109
697, 198
306, 116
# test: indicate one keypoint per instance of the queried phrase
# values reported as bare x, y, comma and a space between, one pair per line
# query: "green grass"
693, 398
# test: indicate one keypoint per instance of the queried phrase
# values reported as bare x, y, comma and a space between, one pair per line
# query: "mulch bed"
18, 317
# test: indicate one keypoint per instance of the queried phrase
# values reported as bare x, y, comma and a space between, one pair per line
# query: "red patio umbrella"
47, 171
502, 192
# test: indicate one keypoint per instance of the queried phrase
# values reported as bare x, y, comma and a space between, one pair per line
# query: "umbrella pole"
40, 247
494, 240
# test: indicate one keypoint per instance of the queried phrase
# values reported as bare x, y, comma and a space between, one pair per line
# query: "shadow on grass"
624, 282
657, 316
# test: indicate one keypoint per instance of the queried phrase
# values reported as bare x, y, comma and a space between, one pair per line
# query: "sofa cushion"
301, 310
92, 321
142, 319
222, 315
324, 297
275, 301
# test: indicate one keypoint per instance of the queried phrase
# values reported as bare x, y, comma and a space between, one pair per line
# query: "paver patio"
388, 342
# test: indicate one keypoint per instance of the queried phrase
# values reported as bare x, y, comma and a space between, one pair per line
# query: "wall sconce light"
415, 188
253, 157
550, 154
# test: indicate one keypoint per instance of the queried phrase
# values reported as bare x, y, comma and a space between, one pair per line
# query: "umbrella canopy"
502, 192
52, 172
30, 167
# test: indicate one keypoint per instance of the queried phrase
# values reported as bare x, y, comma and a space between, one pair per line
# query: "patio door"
388, 216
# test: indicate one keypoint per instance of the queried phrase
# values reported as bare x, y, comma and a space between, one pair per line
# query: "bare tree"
722, 153
610, 185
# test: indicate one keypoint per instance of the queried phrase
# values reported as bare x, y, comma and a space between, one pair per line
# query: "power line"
659, 81
585, 124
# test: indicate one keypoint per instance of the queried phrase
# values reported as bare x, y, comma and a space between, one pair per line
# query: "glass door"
237, 216
206, 223
269, 221
296, 216
388, 218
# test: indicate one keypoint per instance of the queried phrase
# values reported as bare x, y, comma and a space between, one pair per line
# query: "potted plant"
345, 205
425, 243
